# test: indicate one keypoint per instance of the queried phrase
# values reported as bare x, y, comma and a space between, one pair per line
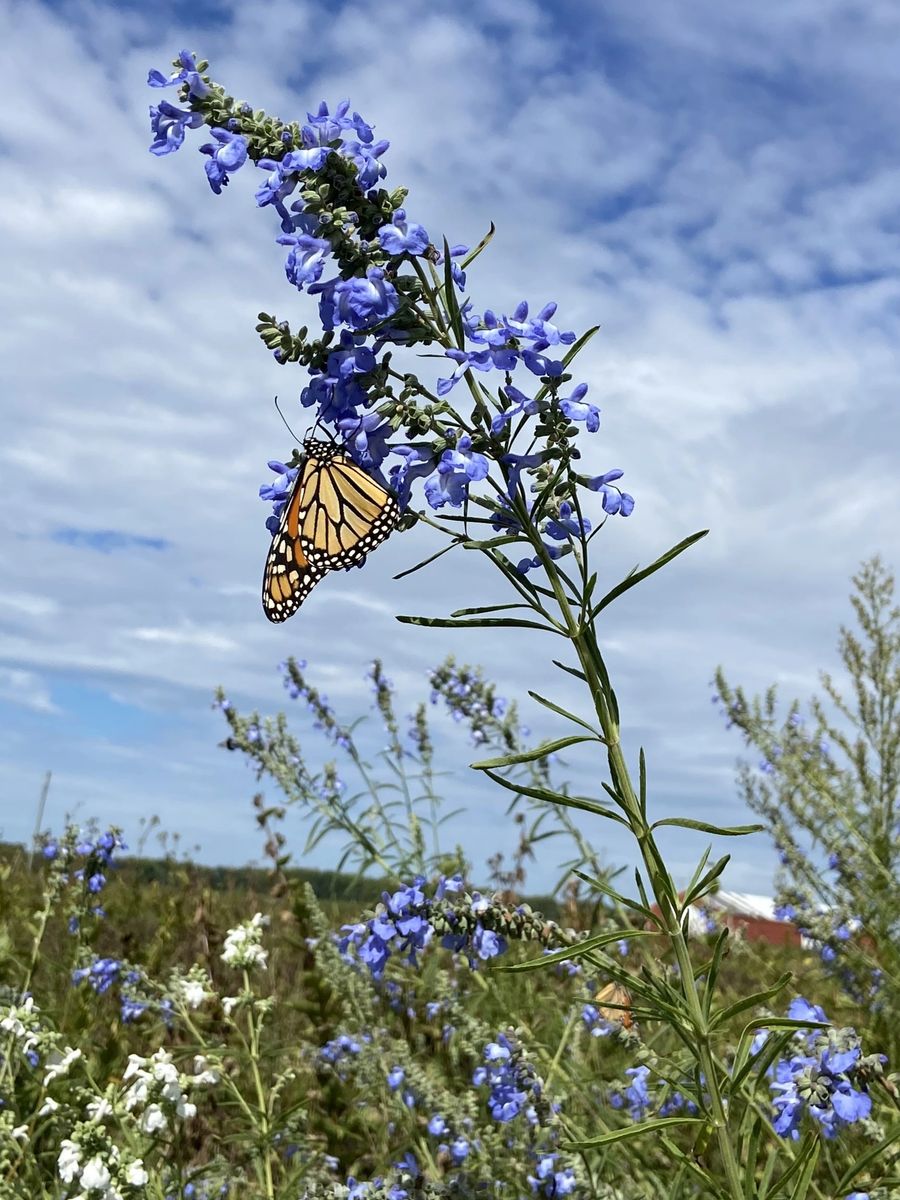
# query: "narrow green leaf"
809, 1150
705, 827
485, 608
632, 1131
429, 560
634, 905
481, 623
450, 302
536, 752
713, 973
772, 1048
868, 1157
752, 1155
473, 254
578, 346
577, 950
704, 859
495, 543
563, 712
642, 782
570, 670
751, 1001
638, 576
642, 891
687, 1162
703, 886
582, 803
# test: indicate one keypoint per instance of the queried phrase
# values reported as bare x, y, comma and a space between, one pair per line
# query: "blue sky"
716, 185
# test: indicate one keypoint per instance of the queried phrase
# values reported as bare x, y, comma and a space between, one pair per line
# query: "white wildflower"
136, 1175
230, 1003
58, 1064
49, 1106
68, 1164
99, 1110
243, 945
193, 993
95, 1174
20, 1133
138, 1092
135, 1064
13, 1022
204, 1075
154, 1120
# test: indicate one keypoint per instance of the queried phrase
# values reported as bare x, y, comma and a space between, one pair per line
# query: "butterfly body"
334, 516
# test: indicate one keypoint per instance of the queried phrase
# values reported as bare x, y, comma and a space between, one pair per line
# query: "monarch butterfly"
614, 1004
335, 515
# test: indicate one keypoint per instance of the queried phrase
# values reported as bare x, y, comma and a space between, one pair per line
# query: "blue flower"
452, 886
567, 525
50, 851
359, 302
101, 974
395, 1077
365, 159
403, 237
614, 500
229, 155
437, 1125
306, 258
540, 364
520, 404
516, 464
324, 127
130, 1009
501, 358
458, 468
277, 491
459, 275
459, 1150
538, 329
637, 1094
487, 944
367, 438
168, 125
576, 409
187, 74
800, 1009
417, 462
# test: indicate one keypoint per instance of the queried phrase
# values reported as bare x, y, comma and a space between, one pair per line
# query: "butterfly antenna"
284, 419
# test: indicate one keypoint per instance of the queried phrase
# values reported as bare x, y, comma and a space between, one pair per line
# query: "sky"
716, 186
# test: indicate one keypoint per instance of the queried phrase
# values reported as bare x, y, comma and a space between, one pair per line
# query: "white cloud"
685, 182
26, 689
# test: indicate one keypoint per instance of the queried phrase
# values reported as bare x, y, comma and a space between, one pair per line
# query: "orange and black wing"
335, 515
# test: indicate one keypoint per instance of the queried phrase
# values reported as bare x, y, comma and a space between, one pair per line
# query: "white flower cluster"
160, 1092
98, 1169
243, 945
21, 1021
192, 989
23, 1025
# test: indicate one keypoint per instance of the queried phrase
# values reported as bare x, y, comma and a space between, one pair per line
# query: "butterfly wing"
335, 515
614, 1004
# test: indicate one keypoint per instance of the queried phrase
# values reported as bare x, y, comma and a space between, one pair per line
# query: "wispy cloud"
107, 541
716, 185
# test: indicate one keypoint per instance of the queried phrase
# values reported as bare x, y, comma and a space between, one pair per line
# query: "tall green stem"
660, 880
